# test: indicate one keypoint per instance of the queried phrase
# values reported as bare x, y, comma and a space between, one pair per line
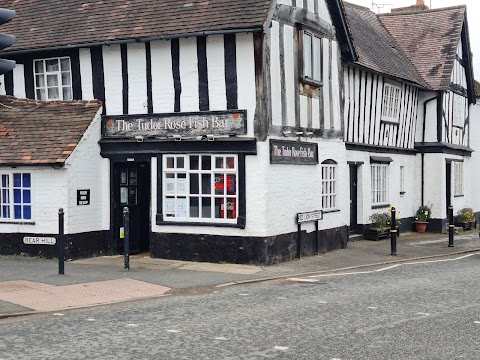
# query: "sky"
473, 12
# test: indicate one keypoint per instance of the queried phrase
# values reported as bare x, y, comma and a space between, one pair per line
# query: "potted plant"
380, 228
421, 218
466, 219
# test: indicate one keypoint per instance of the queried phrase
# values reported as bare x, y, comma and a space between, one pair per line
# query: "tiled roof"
44, 24
42, 133
376, 48
429, 39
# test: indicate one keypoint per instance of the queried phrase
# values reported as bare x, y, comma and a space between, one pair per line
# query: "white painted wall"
189, 98
137, 78
112, 70
88, 170
2, 85
19, 81
86, 74
163, 91
289, 73
217, 92
474, 161
275, 79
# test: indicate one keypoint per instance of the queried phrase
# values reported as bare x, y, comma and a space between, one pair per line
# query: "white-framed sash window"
329, 185
391, 102
15, 196
379, 173
458, 178
200, 188
53, 79
312, 56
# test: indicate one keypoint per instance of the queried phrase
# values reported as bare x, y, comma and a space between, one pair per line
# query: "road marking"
281, 298
422, 313
476, 322
441, 260
372, 307
132, 325
242, 294
323, 302
302, 280
221, 338
90, 319
58, 314
281, 348
174, 331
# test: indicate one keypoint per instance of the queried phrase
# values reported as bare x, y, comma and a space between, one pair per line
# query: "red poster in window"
220, 184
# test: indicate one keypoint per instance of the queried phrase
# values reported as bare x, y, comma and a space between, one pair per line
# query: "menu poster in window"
181, 207
170, 207
170, 186
181, 186
123, 195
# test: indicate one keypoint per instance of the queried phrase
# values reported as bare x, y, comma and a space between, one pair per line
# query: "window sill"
330, 211
403, 193
18, 222
457, 196
381, 206
311, 82
389, 121
240, 224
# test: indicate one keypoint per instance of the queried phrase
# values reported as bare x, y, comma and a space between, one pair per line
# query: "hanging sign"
230, 122
293, 152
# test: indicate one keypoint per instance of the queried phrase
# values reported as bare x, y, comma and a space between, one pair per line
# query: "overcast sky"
473, 10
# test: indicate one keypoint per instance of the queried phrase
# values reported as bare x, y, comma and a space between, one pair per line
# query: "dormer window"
53, 79
312, 57
391, 103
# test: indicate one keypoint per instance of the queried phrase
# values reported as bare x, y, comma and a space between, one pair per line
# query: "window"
312, 57
458, 178
329, 186
200, 188
53, 79
16, 196
379, 183
391, 103
458, 110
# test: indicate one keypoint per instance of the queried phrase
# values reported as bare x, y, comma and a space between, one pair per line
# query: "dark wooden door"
131, 182
353, 198
448, 184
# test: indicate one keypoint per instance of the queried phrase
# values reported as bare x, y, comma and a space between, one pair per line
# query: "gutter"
135, 40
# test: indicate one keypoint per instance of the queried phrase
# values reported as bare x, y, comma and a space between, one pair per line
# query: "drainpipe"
423, 142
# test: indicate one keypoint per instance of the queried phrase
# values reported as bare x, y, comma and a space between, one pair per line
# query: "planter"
420, 226
376, 234
466, 225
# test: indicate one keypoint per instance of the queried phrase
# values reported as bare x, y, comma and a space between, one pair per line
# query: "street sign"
33, 240
309, 216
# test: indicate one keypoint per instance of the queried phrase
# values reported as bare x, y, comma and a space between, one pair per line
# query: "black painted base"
243, 250
77, 246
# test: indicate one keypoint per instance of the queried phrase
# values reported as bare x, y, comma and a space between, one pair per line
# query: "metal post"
316, 238
451, 227
299, 241
61, 242
126, 243
393, 232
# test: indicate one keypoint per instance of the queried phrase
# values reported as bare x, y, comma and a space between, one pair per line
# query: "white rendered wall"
49, 193
217, 92
2, 85
430, 119
19, 81
189, 98
88, 170
163, 91
112, 70
137, 78
474, 161
86, 74
406, 204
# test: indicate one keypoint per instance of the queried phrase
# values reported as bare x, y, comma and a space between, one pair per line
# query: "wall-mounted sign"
309, 216
33, 240
175, 124
83, 197
292, 152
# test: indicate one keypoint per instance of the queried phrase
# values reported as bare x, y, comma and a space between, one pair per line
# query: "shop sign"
33, 240
309, 216
291, 152
83, 197
193, 124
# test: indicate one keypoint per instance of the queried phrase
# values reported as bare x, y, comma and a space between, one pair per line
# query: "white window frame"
391, 102
62, 86
312, 56
458, 110
379, 183
182, 211
458, 178
8, 206
329, 186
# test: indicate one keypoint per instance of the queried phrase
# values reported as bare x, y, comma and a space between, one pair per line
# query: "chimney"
419, 6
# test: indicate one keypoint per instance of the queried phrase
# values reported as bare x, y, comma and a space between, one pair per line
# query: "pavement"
32, 285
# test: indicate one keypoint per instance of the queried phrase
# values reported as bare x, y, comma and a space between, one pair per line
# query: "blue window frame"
16, 196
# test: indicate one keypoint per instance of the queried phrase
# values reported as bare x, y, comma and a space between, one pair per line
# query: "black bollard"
126, 243
393, 232
451, 227
61, 243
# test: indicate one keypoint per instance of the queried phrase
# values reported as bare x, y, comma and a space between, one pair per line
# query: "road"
419, 311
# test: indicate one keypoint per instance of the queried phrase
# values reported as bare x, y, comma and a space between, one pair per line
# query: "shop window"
391, 103
312, 57
16, 196
379, 184
53, 79
200, 188
458, 178
329, 185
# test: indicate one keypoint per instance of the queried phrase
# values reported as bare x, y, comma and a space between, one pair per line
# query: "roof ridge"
357, 6
414, 12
